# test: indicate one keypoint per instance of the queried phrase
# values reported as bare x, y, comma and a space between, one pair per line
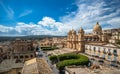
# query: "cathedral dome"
97, 27
81, 30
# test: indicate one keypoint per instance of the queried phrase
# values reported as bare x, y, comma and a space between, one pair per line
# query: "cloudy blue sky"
56, 17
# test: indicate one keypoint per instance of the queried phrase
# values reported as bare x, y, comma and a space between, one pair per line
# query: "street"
44, 55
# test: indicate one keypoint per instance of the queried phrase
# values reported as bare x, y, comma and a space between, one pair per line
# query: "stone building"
115, 37
14, 55
48, 42
9, 66
22, 50
113, 34
96, 44
78, 41
36, 66
4, 52
110, 52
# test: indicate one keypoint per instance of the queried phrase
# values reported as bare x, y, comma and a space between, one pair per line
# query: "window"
104, 51
99, 54
19, 72
115, 51
96, 32
26, 56
21, 56
115, 58
15, 57
103, 56
109, 57
31, 56
98, 49
94, 50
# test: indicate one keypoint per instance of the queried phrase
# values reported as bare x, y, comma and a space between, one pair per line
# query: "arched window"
115, 51
21, 57
31, 56
109, 55
18, 61
115, 55
26, 56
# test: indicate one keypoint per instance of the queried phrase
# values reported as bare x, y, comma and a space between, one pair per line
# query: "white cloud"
49, 22
5, 29
26, 12
85, 16
46, 21
115, 23
88, 14
30, 28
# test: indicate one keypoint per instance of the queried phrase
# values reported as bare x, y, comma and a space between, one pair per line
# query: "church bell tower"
81, 42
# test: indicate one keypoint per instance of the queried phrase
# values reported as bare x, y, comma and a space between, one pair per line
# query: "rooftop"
8, 64
36, 66
85, 70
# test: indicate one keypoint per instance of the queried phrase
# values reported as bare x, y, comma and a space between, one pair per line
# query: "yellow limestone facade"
77, 40
95, 44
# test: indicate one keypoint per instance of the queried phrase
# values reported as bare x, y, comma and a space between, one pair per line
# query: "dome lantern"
97, 27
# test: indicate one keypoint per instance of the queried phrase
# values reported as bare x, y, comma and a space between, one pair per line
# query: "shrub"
53, 58
69, 59
48, 48
68, 56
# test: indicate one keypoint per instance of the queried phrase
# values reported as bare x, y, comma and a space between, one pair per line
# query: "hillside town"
59, 36
77, 53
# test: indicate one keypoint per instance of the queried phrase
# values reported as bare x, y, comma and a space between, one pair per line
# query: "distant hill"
30, 37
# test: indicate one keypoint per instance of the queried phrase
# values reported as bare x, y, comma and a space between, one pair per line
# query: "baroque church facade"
78, 40
96, 44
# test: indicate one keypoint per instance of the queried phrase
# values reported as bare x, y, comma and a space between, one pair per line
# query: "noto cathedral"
78, 40
99, 43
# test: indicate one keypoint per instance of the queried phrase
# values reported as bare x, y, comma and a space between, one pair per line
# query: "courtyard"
60, 51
